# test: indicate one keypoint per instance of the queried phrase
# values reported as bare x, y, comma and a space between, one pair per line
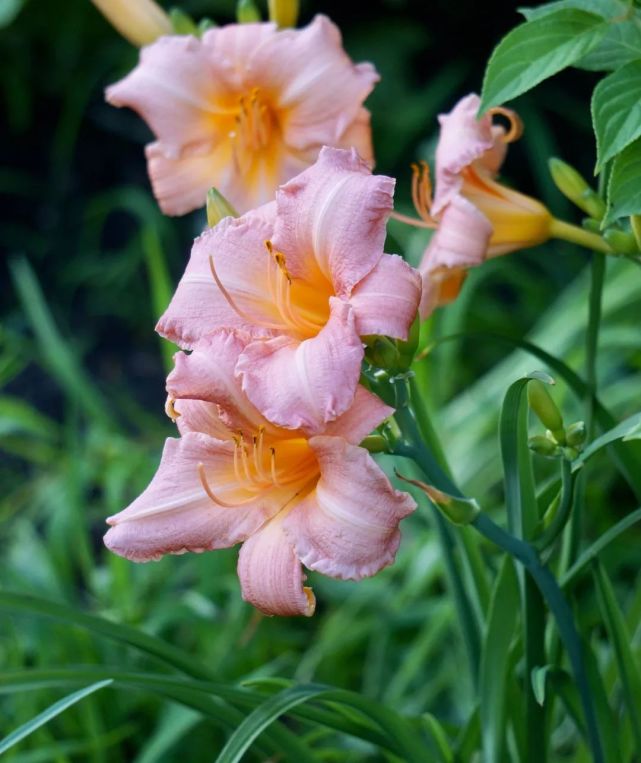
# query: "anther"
170, 410
515, 122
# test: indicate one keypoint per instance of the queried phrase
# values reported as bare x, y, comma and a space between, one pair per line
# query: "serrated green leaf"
621, 42
504, 608
624, 188
51, 712
538, 49
616, 111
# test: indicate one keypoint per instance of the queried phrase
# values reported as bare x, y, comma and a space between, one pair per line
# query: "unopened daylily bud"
283, 12
545, 409
204, 25
218, 207
543, 446
382, 353
575, 434
635, 224
621, 241
375, 443
407, 349
574, 187
182, 23
460, 511
139, 21
247, 12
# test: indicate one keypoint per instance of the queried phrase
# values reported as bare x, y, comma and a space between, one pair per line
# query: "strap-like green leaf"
501, 622
627, 429
46, 715
538, 49
616, 111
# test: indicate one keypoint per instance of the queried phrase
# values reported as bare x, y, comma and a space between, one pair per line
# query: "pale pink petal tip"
348, 526
271, 576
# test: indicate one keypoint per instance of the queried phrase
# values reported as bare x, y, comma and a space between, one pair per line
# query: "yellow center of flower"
262, 463
253, 130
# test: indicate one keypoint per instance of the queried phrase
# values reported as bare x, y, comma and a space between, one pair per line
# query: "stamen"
212, 496
514, 120
258, 453
272, 464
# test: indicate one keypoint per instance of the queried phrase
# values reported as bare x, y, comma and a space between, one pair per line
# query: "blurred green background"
82, 381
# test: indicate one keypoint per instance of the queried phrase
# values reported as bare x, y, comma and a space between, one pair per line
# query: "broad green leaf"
595, 549
616, 111
46, 715
538, 49
624, 188
621, 42
501, 623
259, 719
620, 637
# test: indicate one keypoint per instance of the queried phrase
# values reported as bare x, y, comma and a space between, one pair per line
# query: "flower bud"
182, 23
218, 207
545, 409
375, 443
139, 21
575, 434
382, 353
635, 224
460, 511
621, 241
543, 446
247, 12
574, 187
283, 12
407, 348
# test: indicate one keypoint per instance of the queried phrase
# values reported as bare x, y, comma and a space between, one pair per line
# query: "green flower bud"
218, 207
382, 353
283, 12
204, 25
543, 446
635, 224
460, 511
375, 443
407, 349
574, 187
247, 12
545, 409
182, 23
575, 434
621, 241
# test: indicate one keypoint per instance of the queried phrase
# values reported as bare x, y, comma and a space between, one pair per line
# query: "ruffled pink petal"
364, 415
200, 416
463, 140
305, 384
331, 220
241, 260
318, 89
460, 241
359, 136
175, 515
386, 300
348, 526
180, 184
208, 373
271, 576
175, 90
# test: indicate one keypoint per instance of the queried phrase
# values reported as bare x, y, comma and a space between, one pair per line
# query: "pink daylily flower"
477, 217
287, 495
245, 109
307, 277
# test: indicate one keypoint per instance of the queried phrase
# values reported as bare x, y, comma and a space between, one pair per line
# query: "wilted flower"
476, 216
307, 277
245, 108
287, 495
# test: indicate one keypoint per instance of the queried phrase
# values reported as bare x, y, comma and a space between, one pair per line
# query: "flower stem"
576, 235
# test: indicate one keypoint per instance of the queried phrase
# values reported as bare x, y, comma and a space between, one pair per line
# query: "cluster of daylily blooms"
276, 305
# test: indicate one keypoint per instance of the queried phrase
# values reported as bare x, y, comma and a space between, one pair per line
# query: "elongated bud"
545, 409
460, 511
621, 242
139, 21
543, 446
635, 224
204, 25
218, 207
575, 434
182, 23
283, 12
574, 187
375, 443
247, 12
